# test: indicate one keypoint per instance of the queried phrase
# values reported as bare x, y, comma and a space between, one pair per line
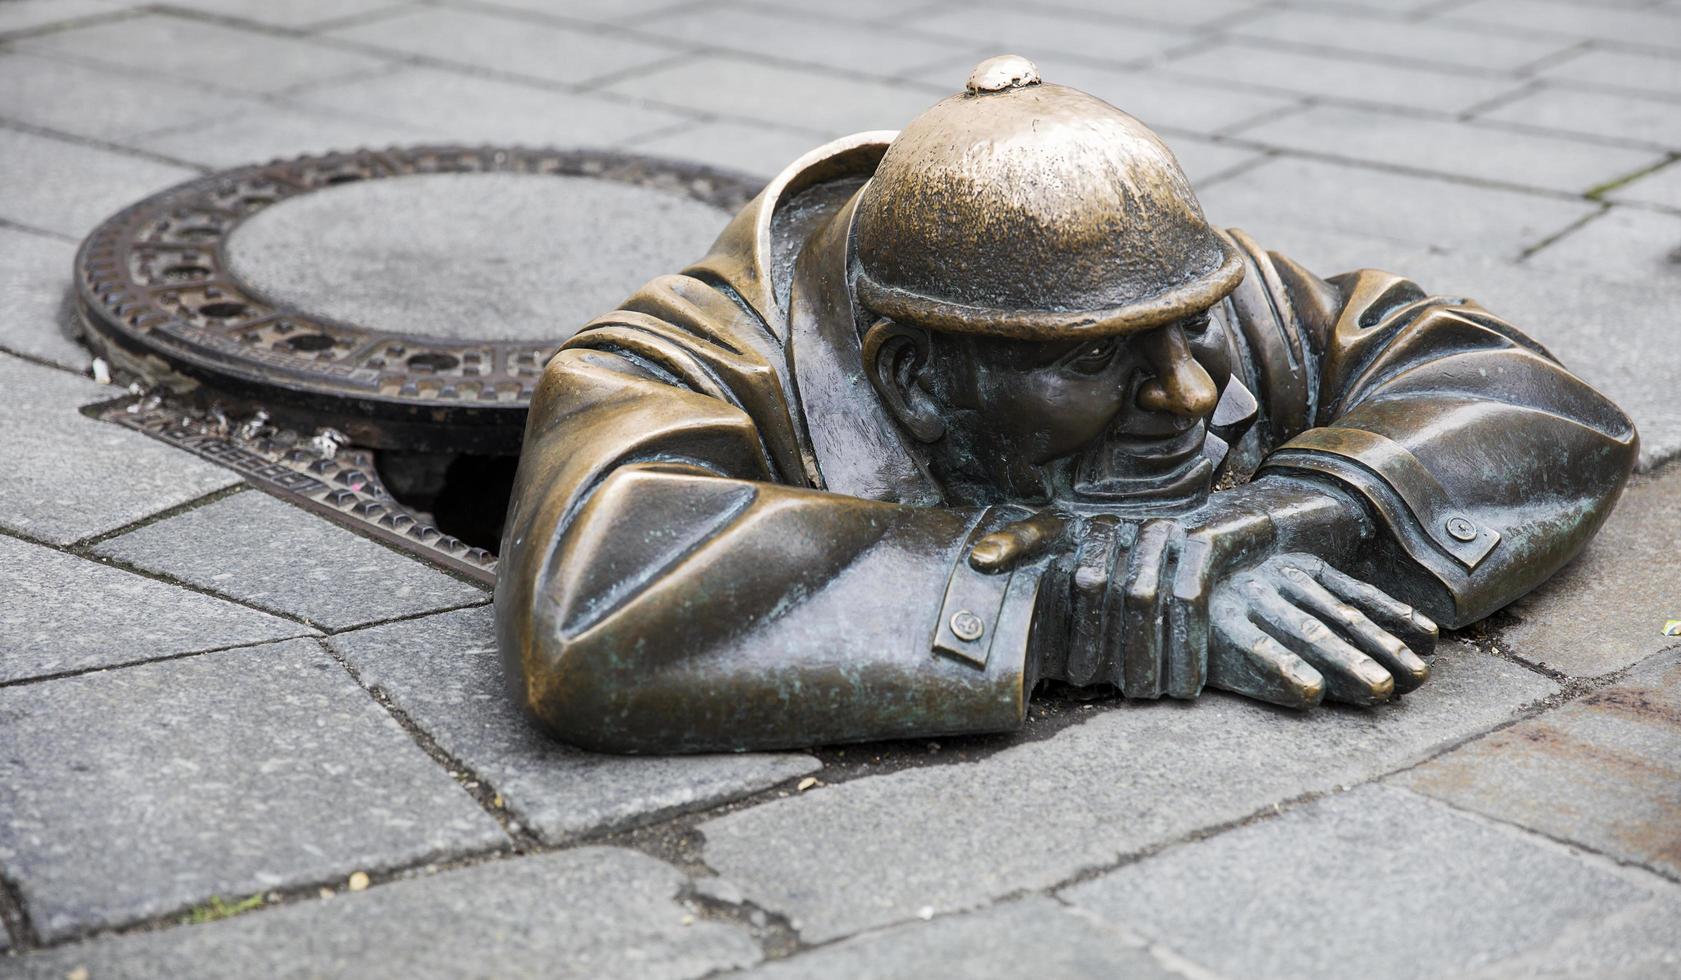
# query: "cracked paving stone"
35, 299
443, 672
586, 913
134, 793
261, 551
1134, 776
1377, 882
1606, 610
1035, 936
1603, 771
60, 613
70, 477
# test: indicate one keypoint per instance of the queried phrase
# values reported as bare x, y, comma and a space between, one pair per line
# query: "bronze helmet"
1035, 211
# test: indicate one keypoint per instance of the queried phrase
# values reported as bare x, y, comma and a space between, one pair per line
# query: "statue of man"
949, 412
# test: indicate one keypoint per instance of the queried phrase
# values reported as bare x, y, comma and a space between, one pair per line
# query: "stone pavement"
235, 740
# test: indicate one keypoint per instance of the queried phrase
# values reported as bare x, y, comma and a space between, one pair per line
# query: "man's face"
1132, 409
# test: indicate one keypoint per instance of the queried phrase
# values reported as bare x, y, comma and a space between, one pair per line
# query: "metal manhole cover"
408, 298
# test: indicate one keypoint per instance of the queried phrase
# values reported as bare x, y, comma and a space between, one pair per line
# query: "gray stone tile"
132, 793
1033, 937
1640, 27
1661, 187
72, 187
586, 913
444, 673
1400, 40
1205, 161
34, 298
265, 131
1606, 609
1249, 66
293, 14
1623, 116
523, 46
69, 477
265, 553
28, 15
1175, 13
1603, 771
100, 103
448, 105
1166, 104
1622, 245
876, 850
1656, 73
787, 36
1042, 35
198, 50
62, 613
1452, 148
825, 104
1286, 194
750, 149
1377, 882
1635, 943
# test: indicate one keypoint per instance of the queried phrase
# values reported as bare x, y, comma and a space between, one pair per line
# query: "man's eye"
1197, 327
1093, 358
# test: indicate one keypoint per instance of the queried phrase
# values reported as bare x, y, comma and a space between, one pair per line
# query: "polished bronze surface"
950, 412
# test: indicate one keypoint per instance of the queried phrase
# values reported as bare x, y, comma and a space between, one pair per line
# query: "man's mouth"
1160, 451
1155, 474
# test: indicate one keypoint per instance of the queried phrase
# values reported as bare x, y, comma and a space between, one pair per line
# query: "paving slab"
1635, 943
35, 299
1621, 116
1168, 105
508, 44
269, 554
1248, 66
69, 477
828, 105
1624, 244
199, 51
17, 16
1452, 149
1645, 28
63, 613
1603, 771
587, 913
1131, 777
744, 147
133, 793
789, 36
387, 254
1205, 161
1654, 73
1661, 187
1289, 193
1175, 13
72, 187
264, 131
453, 107
1606, 610
1376, 882
99, 103
301, 15
1035, 936
444, 673
1386, 38
1043, 35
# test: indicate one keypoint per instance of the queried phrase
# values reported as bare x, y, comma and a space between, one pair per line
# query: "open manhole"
363, 331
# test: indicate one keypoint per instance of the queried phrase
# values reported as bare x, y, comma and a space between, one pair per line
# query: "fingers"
1143, 619
1243, 659
1350, 675
1414, 628
1001, 549
1306, 593
1090, 636
1205, 555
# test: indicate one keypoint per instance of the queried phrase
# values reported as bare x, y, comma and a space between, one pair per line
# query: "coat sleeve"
1486, 463
668, 581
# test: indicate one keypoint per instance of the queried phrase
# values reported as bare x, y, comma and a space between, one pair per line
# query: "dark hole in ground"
308, 341
465, 497
223, 308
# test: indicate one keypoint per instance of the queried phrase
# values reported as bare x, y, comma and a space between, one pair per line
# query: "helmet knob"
1007, 71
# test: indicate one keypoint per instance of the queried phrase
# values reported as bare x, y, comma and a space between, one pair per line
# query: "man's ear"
894, 356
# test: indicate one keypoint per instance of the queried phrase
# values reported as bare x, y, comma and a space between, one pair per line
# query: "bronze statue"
986, 402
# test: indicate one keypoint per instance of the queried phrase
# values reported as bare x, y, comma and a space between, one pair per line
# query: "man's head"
1038, 276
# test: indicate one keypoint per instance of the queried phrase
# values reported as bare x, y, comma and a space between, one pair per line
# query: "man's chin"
1146, 477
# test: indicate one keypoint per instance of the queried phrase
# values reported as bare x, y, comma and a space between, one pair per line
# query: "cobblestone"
444, 674
952, 837
34, 291
1376, 882
228, 774
272, 555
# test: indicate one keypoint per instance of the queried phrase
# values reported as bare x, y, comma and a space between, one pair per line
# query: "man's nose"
1180, 386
